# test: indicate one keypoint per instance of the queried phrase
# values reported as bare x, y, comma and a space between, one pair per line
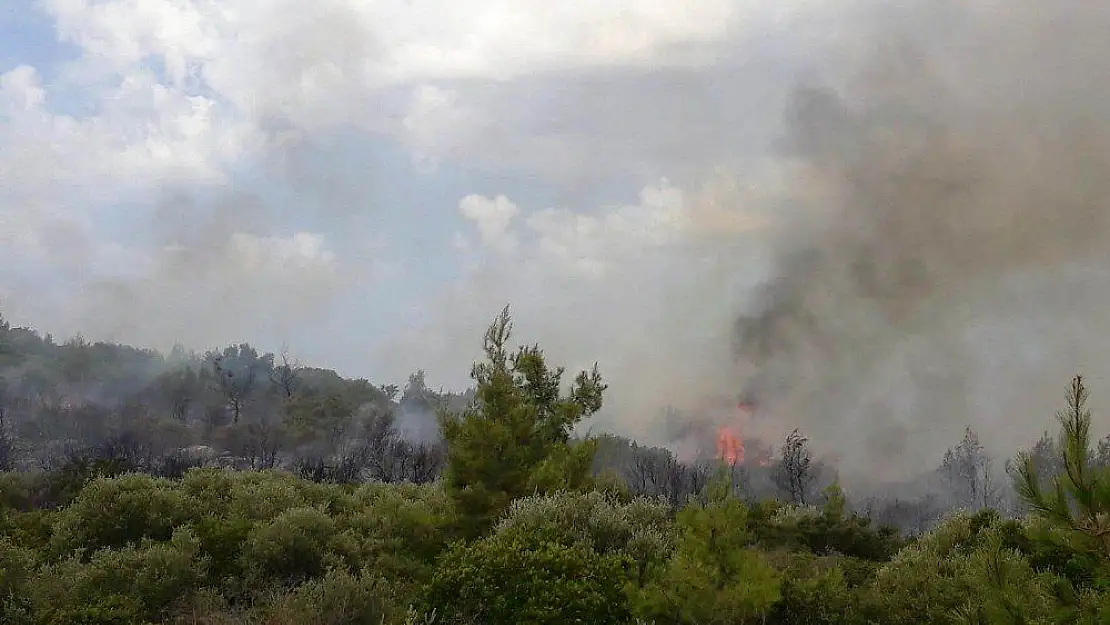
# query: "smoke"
932, 211
955, 268
931, 214
217, 274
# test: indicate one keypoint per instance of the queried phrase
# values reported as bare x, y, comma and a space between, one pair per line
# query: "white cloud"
63, 178
574, 99
278, 256
492, 216
146, 134
585, 244
22, 90
186, 94
172, 96
274, 66
433, 124
646, 288
588, 243
118, 35
501, 39
241, 45
183, 92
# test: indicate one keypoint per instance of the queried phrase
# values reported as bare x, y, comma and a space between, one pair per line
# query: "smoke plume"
924, 180
954, 270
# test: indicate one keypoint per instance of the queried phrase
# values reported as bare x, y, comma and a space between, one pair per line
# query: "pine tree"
515, 439
1078, 500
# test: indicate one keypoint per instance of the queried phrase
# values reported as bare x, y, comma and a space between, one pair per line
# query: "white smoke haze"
956, 273
886, 222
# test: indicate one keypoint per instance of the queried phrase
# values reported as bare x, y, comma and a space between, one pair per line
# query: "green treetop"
1078, 500
515, 438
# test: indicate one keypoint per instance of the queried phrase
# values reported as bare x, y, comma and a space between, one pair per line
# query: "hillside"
324, 500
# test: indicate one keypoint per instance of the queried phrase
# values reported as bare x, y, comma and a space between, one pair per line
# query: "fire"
730, 446
730, 442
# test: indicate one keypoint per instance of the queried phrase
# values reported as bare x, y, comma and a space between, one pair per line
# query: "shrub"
714, 576
338, 598
113, 512
505, 582
291, 548
17, 568
640, 530
132, 584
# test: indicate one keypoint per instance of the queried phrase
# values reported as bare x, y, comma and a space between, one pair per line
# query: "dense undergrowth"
518, 528
218, 546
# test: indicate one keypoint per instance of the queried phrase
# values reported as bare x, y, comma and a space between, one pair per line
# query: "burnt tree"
794, 472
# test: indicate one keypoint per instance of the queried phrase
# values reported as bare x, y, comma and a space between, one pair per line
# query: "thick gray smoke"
940, 252
955, 270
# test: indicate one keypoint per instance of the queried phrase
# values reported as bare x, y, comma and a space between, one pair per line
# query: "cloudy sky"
370, 181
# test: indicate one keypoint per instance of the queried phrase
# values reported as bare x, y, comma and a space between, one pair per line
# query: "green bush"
505, 582
17, 569
16, 491
814, 591
640, 530
714, 575
227, 548
114, 512
222, 541
822, 532
339, 598
131, 584
291, 548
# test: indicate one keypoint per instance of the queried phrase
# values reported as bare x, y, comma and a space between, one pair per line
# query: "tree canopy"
130, 493
515, 438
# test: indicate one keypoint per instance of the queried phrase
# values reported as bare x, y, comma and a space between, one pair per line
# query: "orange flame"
730, 446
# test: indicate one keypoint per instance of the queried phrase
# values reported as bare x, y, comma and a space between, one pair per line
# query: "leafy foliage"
503, 581
515, 438
714, 575
1078, 501
125, 501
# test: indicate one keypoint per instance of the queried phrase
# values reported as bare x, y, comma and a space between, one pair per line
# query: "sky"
369, 182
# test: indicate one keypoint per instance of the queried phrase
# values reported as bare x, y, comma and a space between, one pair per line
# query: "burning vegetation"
732, 449
730, 445
456, 492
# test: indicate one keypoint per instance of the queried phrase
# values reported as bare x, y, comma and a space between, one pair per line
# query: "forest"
238, 486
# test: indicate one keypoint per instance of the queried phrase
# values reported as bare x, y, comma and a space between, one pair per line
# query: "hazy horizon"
899, 207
